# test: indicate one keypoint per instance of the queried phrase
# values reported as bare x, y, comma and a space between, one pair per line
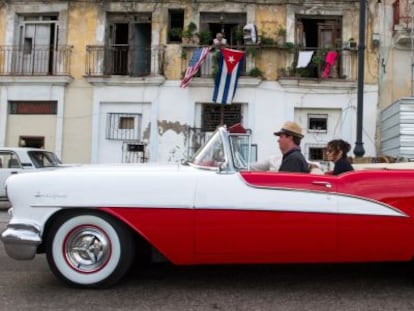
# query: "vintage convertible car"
94, 221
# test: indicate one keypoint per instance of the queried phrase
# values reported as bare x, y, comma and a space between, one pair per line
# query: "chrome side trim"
21, 241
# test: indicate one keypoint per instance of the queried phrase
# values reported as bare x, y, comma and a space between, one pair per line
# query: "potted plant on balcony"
205, 37
281, 36
256, 72
239, 36
290, 47
188, 33
175, 34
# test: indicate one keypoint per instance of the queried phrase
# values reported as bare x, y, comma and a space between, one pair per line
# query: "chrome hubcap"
87, 249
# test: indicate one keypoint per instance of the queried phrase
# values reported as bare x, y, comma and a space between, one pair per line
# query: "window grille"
214, 115
123, 126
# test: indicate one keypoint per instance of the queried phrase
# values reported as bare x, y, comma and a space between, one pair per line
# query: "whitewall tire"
89, 249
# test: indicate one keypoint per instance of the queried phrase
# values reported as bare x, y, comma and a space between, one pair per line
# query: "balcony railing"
344, 66
284, 59
210, 65
124, 60
35, 61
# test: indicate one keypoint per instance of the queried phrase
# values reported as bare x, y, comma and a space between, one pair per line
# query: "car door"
9, 164
375, 219
265, 217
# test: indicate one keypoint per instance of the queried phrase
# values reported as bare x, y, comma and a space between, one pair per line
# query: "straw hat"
290, 128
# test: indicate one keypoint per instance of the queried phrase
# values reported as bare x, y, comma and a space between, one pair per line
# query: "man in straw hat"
293, 160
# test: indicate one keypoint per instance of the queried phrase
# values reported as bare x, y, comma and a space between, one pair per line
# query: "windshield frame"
236, 160
220, 136
228, 162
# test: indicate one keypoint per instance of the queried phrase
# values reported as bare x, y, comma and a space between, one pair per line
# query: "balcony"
272, 62
343, 68
124, 60
209, 67
35, 61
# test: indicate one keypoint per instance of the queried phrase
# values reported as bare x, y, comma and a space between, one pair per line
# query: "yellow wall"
77, 124
81, 32
2, 23
269, 19
31, 125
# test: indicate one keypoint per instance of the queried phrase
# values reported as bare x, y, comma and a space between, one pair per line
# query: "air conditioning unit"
403, 39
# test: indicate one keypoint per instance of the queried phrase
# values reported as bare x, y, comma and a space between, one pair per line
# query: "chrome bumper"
21, 241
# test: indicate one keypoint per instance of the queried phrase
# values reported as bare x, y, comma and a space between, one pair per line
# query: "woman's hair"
337, 145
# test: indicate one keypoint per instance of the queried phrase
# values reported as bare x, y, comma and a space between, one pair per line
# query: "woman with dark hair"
336, 151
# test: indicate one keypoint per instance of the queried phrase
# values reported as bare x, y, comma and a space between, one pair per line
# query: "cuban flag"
230, 65
198, 58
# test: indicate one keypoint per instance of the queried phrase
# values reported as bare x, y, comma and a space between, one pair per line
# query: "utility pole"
359, 145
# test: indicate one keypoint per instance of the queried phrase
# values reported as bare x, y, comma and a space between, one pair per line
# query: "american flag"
230, 65
199, 55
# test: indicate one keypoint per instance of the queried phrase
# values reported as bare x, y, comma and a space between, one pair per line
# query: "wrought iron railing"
210, 65
344, 66
124, 60
35, 61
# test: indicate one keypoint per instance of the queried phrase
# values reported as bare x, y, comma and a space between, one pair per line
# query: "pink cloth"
330, 60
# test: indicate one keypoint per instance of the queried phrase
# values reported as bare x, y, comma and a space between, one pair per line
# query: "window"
129, 44
214, 115
123, 126
27, 45
32, 107
230, 24
44, 159
317, 123
320, 34
38, 40
176, 25
126, 123
316, 153
32, 141
9, 160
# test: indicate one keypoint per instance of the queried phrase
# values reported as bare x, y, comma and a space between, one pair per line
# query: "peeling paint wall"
174, 135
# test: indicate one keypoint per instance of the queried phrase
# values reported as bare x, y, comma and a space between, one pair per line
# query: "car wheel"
89, 249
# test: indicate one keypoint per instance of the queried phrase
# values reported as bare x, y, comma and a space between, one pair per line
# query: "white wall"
169, 110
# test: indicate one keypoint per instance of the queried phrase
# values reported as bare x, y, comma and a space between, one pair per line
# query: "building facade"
99, 81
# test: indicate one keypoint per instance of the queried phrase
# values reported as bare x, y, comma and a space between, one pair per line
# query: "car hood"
106, 185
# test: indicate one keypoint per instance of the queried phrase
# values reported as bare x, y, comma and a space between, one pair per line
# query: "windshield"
44, 159
212, 155
240, 149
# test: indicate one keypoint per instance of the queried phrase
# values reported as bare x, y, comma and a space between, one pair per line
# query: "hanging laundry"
330, 61
304, 58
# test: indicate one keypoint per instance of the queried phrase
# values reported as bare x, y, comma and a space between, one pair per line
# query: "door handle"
322, 183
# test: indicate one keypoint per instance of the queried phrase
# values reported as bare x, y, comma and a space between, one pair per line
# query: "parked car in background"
18, 160
94, 221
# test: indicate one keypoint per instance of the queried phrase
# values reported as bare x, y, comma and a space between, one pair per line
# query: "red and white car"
93, 221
